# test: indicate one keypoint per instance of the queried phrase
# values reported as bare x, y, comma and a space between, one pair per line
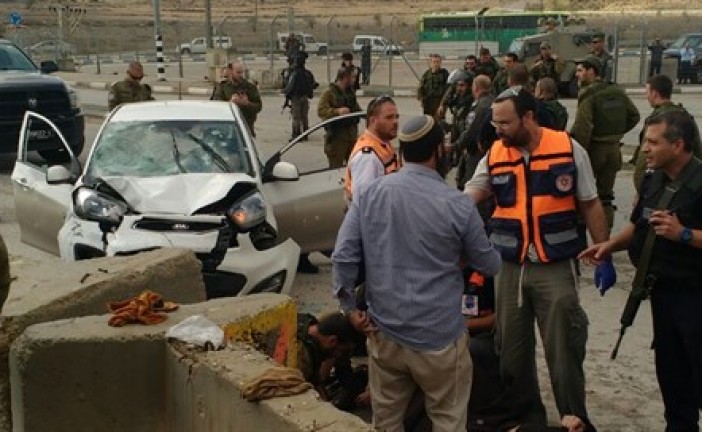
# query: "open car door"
309, 210
40, 206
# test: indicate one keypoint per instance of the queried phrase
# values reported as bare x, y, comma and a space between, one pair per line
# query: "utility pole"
208, 24
159, 40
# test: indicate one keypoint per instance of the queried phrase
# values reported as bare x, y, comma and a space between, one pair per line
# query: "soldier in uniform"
659, 89
224, 77
467, 144
130, 89
605, 113
299, 90
433, 86
4, 272
366, 62
547, 65
597, 49
347, 62
339, 99
487, 65
547, 93
241, 92
500, 83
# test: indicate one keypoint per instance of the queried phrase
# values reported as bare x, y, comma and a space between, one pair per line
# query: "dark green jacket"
490, 68
558, 112
605, 113
126, 91
433, 85
227, 89
548, 67
500, 81
334, 97
460, 107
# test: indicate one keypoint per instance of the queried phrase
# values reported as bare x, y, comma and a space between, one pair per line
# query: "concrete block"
114, 379
84, 288
204, 395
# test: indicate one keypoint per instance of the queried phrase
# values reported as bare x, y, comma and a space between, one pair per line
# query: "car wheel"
322, 51
185, 51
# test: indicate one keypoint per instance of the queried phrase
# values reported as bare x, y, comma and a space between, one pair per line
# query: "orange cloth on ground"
146, 308
275, 382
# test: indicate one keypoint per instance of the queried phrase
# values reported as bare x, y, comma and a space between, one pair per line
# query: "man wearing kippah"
410, 230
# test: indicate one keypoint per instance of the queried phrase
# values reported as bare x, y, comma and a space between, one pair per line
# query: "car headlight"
248, 212
95, 206
73, 97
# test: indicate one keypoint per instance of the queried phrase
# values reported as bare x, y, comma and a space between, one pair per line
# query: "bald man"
130, 89
241, 92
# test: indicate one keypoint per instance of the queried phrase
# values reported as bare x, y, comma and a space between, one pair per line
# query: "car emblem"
32, 103
180, 227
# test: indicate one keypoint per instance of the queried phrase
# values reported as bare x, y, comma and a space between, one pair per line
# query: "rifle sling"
668, 194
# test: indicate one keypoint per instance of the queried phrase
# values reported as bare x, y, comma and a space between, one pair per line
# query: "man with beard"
409, 231
373, 155
605, 113
337, 100
597, 50
487, 65
539, 179
244, 94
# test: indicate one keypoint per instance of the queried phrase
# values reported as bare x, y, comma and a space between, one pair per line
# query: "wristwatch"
686, 235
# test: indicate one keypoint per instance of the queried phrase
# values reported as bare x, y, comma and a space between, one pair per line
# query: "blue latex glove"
605, 276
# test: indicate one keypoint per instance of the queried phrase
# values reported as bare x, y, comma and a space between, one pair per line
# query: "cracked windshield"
163, 148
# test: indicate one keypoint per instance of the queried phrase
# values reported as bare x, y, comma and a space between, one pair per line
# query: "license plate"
41, 134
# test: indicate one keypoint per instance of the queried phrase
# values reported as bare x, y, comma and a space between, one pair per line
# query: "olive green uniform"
547, 67
342, 135
432, 88
226, 90
607, 62
605, 113
640, 158
558, 112
490, 68
128, 90
500, 81
4, 272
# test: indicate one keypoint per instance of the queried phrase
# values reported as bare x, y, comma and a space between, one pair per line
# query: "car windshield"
516, 47
168, 147
679, 42
11, 58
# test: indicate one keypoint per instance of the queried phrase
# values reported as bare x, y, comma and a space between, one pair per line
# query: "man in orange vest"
540, 179
373, 155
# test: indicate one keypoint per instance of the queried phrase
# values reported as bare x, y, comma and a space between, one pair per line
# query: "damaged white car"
180, 174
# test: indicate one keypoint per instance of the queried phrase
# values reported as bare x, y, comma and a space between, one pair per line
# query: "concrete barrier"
84, 288
82, 375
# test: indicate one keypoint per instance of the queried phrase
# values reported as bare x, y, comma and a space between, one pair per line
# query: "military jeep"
566, 45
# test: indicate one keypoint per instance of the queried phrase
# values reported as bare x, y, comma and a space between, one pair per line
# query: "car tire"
185, 51
322, 51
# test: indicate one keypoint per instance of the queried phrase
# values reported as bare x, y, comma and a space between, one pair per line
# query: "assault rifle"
640, 291
286, 104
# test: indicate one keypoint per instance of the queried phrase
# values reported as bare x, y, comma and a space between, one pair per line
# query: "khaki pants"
299, 110
338, 145
444, 376
606, 161
548, 294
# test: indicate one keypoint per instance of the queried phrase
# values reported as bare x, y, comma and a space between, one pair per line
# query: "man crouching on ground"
411, 230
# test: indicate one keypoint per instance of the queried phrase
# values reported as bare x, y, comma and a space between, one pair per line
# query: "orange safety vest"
368, 142
536, 200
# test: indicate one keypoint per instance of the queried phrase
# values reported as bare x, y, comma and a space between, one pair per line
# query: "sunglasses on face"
376, 102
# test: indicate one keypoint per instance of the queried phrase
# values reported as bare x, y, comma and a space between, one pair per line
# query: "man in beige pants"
417, 337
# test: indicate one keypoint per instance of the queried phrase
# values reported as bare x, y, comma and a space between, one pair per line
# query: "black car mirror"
48, 66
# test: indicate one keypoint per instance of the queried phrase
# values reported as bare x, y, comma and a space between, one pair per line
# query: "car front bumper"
232, 266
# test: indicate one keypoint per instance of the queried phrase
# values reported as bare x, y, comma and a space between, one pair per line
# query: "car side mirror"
48, 66
284, 171
58, 174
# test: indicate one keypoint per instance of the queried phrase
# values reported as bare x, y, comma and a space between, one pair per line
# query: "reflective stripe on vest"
384, 152
535, 200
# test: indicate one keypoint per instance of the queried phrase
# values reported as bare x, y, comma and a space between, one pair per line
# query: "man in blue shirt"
410, 230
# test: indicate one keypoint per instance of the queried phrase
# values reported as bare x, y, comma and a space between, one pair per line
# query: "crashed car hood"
179, 194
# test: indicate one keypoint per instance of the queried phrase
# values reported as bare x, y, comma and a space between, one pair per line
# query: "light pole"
159, 40
329, 44
390, 53
271, 39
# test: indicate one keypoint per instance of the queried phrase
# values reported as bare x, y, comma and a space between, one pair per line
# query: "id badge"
469, 305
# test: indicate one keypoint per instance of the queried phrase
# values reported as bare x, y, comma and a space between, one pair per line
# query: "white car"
378, 44
180, 174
